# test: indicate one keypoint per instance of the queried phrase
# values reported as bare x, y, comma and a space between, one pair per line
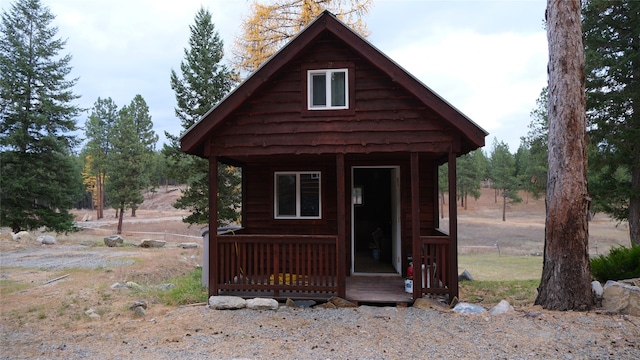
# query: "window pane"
286, 195
338, 94
319, 89
309, 194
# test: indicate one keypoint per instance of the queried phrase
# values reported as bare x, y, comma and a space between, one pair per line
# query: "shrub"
621, 263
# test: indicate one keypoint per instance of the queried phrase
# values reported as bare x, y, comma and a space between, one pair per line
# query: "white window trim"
328, 73
298, 203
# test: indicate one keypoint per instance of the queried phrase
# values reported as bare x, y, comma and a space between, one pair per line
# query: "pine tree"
503, 175
38, 176
612, 43
202, 84
131, 138
565, 283
97, 131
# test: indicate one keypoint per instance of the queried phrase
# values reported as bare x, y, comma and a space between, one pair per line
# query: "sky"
487, 58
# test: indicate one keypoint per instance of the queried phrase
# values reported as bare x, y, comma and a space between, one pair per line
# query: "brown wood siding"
386, 117
259, 210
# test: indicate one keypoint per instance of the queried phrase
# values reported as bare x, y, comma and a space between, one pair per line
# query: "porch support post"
453, 228
342, 231
213, 226
416, 251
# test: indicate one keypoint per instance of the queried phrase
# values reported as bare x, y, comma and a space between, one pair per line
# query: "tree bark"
566, 281
119, 231
504, 206
634, 206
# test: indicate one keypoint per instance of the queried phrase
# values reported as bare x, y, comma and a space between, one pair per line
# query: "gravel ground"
358, 333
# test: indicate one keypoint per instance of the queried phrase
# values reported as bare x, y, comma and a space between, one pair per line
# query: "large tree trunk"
566, 282
119, 231
634, 207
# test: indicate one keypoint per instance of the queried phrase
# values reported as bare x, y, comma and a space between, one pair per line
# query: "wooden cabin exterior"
339, 149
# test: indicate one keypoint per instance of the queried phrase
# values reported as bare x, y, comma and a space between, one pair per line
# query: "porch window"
328, 89
297, 195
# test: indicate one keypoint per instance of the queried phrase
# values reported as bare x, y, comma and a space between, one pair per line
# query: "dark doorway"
372, 214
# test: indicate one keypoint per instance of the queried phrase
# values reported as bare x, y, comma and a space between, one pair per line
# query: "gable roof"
192, 142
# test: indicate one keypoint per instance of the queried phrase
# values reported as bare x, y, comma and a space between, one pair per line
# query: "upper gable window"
328, 89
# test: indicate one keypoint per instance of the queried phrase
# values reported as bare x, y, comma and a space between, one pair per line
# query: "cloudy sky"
486, 57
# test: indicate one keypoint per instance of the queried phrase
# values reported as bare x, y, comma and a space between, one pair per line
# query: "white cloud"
492, 78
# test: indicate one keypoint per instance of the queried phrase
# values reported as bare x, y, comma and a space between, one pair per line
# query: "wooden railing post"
213, 226
416, 249
342, 240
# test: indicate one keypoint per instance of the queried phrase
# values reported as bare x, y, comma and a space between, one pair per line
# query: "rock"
502, 307
621, 298
148, 243
86, 217
92, 314
119, 286
465, 276
139, 311
467, 308
290, 303
227, 303
597, 290
138, 303
166, 286
327, 305
262, 304
341, 303
133, 285
189, 245
21, 235
46, 240
305, 303
113, 241
426, 303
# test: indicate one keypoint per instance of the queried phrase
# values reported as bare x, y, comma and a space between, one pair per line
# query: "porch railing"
434, 264
277, 263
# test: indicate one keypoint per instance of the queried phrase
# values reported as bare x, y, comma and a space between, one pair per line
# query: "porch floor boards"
377, 290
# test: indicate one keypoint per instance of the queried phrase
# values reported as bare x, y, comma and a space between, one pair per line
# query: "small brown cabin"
339, 149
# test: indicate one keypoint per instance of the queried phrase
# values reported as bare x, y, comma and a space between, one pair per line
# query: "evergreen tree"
98, 128
534, 172
503, 175
139, 112
131, 140
612, 43
471, 168
565, 283
202, 84
38, 177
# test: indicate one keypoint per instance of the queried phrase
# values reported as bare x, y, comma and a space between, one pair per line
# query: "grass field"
494, 267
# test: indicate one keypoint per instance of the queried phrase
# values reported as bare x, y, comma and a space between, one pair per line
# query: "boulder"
148, 243
341, 303
191, 245
465, 276
327, 305
227, 303
46, 240
21, 235
86, 217
502, 307
113, 241
621, 298
426, 303
468, 308
597, 290
262, 304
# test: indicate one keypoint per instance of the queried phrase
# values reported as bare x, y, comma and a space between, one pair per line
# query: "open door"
375, 221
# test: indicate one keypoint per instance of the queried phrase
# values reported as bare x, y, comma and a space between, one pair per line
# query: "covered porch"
312, 266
